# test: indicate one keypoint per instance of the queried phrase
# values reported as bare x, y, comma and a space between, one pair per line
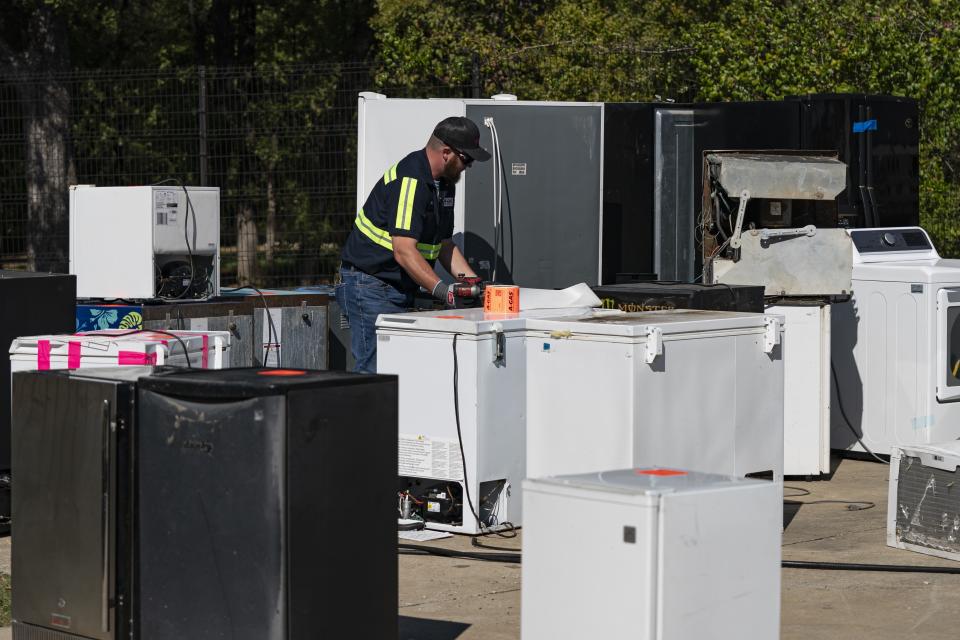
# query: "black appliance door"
878, 137
211, 524
64, 447
549, 233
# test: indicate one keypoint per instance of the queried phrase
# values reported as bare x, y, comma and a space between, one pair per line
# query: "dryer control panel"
890, 240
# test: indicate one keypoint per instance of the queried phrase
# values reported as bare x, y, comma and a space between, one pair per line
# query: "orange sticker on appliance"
501, 299
660, 472
281, 372
450, 317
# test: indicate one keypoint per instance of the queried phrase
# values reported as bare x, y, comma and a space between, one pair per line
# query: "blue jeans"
362, 298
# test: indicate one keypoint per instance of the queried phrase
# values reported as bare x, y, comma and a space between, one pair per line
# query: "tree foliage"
698, 50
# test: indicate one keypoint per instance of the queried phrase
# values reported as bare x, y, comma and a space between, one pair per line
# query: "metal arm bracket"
738, 228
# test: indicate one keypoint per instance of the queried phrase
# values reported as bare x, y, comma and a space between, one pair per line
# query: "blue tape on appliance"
865, 125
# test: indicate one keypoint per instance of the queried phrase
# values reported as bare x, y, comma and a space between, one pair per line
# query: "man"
404, 227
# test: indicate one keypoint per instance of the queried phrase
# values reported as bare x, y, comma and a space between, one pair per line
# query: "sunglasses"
464, 158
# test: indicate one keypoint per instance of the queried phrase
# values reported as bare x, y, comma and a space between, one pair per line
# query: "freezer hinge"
771, 334
654, 345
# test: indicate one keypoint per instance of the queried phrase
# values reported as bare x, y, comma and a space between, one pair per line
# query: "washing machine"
896, 345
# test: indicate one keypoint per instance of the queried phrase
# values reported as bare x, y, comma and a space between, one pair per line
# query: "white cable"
497, 192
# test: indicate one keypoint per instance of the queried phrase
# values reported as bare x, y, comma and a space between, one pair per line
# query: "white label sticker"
433, 507
165, 206
775, 209
425, 457
518, 168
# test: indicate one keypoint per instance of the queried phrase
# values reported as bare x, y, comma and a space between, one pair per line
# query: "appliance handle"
105, 519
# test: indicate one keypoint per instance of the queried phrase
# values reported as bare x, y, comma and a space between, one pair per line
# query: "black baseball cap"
463, 135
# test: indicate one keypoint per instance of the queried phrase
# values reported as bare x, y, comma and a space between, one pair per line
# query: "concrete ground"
452, 599
447, 599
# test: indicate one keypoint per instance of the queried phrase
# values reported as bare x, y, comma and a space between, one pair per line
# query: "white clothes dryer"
896, 344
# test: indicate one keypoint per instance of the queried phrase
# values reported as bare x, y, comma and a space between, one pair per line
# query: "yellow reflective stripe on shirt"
429, 251
400, 201
390, 175
377, 235
408, 190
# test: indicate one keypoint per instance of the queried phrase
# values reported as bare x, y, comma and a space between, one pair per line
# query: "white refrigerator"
701, 390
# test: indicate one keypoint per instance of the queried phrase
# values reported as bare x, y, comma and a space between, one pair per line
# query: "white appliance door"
948, 345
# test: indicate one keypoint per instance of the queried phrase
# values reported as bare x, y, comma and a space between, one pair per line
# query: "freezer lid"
643, 481
249, 382
674, 321
470, 321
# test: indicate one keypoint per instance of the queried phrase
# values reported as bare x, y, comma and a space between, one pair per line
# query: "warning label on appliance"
165, 206
430, 457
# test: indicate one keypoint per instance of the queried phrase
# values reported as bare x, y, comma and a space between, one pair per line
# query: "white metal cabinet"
806, 398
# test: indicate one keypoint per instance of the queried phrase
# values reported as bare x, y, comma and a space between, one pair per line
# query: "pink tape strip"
205, 358
73, 355
136, 357
43, 354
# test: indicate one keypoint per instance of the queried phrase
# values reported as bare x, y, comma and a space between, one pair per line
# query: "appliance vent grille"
928, 506
23, 631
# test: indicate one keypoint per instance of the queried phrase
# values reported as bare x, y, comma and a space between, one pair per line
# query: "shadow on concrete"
422, 629
790, 510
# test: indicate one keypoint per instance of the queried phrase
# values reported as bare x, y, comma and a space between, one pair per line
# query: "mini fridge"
204, 504
701, 390
651, 554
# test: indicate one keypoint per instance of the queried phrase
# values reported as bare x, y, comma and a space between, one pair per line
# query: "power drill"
468, 286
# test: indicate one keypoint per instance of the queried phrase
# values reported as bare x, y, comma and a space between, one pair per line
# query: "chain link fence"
280, 143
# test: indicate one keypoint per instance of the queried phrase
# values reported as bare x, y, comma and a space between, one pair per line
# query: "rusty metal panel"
779, 176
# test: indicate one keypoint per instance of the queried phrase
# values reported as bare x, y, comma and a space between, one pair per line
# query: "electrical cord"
456, 414
516, 558
131, 332
510, 531
854, 566
415, 549
852, 505
497, 193
846, 420
271, 329
186, 237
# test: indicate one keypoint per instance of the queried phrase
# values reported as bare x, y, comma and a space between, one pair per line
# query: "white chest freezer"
806, 384
651, 554
700, 390
111, 348
480, 358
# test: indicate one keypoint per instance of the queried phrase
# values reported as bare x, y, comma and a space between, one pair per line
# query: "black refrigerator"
174, 503
33, 304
